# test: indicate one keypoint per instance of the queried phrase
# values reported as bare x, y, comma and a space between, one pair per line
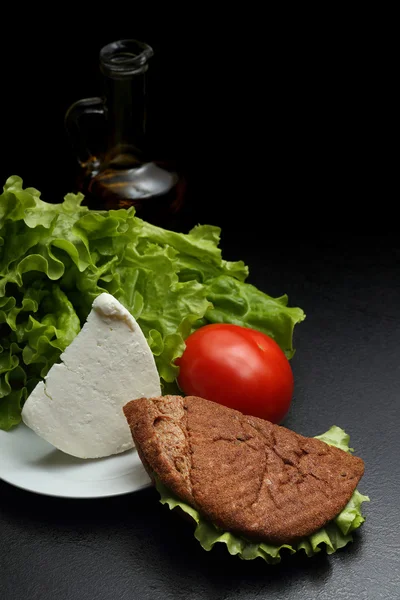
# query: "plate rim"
63, 492
74, 496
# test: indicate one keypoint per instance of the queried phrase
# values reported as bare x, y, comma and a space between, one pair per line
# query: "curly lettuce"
336, 534
55, 259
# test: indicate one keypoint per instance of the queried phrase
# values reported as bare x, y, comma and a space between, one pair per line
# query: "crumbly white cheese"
78, 408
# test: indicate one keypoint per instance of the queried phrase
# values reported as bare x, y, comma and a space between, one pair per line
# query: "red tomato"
238, 367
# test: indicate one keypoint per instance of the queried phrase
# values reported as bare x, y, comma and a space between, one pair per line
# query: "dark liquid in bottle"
155, 191
125, 171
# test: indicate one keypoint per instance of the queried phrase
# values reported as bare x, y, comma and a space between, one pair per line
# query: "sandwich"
260, 484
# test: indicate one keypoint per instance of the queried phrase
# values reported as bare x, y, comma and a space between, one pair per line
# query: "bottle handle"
72, 122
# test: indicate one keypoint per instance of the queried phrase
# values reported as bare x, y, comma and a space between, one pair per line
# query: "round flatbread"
242, 473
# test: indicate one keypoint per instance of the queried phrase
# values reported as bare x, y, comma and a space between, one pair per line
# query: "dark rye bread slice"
242, 473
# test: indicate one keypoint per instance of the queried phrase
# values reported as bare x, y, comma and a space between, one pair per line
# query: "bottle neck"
126, 114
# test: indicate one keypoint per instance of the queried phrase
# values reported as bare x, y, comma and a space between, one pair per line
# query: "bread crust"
244, 474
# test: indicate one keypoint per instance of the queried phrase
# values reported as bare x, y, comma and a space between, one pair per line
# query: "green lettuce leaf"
55, 259
243, 304
333, 536
30, 345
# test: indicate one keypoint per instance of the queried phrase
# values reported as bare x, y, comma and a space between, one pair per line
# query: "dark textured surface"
347, 372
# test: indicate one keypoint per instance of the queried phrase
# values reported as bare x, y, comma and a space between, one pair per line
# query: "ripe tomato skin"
238, 367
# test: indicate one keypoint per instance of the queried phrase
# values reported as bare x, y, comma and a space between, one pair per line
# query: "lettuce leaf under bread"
55, 259
336, 534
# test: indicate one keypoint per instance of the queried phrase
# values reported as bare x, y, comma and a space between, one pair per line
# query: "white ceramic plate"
30, 463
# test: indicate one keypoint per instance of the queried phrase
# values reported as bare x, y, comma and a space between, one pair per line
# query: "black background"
277, 120
284, 128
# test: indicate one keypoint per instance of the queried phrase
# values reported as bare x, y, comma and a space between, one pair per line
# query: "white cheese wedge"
78, 407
